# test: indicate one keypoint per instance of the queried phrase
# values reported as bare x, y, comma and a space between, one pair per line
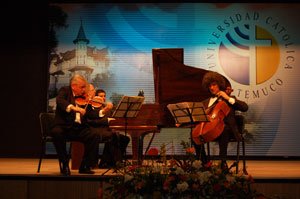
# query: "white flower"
179, 171
182, 186
157, 169
230, 178
204, 176
127, 177
197, 164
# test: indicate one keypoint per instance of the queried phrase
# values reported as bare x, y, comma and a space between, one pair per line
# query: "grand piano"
174, 82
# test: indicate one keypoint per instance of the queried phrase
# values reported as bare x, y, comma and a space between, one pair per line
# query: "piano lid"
174, 81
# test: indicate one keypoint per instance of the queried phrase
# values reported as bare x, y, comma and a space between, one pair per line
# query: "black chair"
46, 123
240, 120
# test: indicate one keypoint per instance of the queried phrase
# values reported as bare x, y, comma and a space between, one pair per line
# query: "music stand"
188, 112
128, 107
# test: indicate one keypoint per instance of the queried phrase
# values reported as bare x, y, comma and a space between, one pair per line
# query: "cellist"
217, 85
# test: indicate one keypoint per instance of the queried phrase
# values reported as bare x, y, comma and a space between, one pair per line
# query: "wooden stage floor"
280, 178
259, 169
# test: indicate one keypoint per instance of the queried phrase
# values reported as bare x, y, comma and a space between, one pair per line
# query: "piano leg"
135, 146
137, 139
140, 151
141, 143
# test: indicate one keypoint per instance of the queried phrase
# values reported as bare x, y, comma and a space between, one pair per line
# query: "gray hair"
76, 77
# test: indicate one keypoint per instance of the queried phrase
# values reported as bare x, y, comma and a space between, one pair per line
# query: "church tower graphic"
83, 59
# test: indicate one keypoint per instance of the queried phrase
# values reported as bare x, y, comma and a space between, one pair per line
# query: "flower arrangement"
187, 178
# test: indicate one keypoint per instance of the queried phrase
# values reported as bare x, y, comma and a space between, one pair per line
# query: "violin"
84, 100
97, 102
208, 131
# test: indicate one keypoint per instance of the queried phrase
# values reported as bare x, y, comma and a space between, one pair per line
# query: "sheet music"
128, 106
187, 112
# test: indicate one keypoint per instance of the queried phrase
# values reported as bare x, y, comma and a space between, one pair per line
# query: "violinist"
70, 124
122, 140
97, 116
101, 93
98, 120
217, 85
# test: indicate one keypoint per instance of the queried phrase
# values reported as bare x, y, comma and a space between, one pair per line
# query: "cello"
208, 131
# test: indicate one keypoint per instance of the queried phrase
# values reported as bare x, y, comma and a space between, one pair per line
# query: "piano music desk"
136, 133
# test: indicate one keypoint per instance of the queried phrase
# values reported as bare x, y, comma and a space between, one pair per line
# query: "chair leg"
237, 157
40, 162
244, 157
60, 165
42, 155
208, 152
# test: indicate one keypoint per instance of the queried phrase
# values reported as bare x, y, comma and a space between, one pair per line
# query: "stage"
19, 179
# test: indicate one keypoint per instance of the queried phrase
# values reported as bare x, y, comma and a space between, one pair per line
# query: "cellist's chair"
46, 123
240, 120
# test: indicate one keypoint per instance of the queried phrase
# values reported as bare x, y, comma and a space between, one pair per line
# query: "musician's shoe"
86, 170
65, 169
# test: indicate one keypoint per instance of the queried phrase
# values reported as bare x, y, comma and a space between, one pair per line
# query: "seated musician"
216, 84
98, 119
69, 124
